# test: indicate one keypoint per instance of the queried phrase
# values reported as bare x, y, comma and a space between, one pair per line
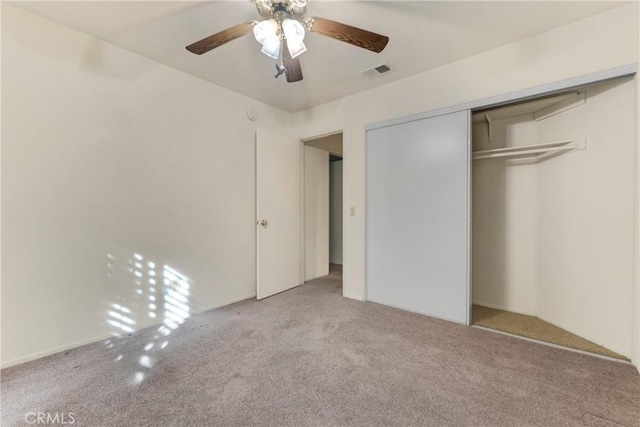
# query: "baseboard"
357, 298
229, 302
49, 352
55, 350
314, 278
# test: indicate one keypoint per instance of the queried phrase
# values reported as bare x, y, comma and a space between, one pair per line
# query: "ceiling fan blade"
218, 39
291, 65
348, 34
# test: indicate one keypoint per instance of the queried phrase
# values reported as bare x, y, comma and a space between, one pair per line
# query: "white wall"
107, 154
555, 239
335, 212
504, 241
601, 42
316, 213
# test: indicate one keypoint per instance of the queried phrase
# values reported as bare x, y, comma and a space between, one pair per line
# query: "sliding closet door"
418, 216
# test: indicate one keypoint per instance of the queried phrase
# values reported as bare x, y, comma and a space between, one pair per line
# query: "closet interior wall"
554, 238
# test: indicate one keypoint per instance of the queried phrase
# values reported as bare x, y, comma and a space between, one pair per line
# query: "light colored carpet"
309, 357
536, 328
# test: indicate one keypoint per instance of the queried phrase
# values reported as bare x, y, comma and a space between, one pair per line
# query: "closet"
519, 217
553, 217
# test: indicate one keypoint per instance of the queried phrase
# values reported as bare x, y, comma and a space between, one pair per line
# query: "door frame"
302, 212
507, 98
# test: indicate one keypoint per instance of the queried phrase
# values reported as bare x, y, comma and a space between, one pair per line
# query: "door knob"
264, 223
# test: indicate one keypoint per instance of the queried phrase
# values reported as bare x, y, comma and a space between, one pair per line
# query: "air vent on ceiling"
374, 72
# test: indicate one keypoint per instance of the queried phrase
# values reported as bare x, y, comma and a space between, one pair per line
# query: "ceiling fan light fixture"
296, 47
271, 47
265, 30
282, 31
293, 30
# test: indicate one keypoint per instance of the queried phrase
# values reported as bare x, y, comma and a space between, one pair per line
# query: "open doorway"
323, 212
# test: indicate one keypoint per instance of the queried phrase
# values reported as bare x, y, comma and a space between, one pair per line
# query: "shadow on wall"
150, 292
98, 59
67, 46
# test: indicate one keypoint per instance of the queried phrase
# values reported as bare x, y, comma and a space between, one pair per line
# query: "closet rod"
522, 153
548, 147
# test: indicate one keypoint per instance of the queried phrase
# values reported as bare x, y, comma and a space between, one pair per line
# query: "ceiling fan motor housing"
281, 9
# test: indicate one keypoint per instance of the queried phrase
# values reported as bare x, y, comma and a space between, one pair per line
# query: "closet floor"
532, 327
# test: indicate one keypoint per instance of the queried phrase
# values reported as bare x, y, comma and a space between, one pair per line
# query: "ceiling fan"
281, 34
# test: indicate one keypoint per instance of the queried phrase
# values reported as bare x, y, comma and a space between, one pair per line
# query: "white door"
278, 212
418, 212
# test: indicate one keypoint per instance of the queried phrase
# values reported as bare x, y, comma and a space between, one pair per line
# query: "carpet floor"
309, 357
538, 329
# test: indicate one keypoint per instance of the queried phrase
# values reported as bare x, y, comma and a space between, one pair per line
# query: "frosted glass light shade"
296, 47
271, 47
293, 30
265, 30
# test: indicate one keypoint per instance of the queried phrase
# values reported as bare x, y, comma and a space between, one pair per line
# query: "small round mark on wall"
252, 114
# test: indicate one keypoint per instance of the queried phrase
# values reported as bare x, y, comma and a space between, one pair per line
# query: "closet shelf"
530, 152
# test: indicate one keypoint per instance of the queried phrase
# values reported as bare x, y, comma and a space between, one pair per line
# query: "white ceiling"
423, 35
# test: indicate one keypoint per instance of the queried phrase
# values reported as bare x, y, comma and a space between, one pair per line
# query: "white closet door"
418, 215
